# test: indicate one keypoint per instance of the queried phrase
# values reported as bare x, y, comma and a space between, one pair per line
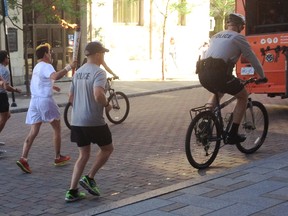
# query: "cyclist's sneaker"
90, 185
23, 164
74, 195
238, 138
2, 143
62, 160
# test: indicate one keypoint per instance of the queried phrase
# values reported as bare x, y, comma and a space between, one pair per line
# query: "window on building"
265, 17
128, 12
44, 26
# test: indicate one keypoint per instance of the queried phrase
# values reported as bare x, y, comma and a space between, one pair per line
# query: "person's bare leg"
240, 107
34, 130
84, 155
101, 158
212, 100
238, 113
56, 125
3, 119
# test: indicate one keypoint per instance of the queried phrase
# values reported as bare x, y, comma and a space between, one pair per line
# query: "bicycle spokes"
120, 107
202, 141
254, 126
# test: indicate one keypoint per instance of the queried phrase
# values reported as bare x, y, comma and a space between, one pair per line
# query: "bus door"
267, 32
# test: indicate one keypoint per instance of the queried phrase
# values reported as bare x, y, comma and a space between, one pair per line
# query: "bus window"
267, 33
266, 16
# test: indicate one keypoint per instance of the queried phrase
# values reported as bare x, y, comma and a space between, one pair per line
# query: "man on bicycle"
216, 67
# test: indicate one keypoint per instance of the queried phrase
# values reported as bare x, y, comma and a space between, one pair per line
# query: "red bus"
267, 32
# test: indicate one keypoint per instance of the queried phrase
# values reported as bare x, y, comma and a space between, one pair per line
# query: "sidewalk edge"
19, 110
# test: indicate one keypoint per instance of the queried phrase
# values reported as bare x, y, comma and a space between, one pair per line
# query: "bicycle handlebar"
112, 78
255, 80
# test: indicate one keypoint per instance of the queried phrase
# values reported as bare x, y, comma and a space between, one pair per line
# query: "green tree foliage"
219, 9
50, 11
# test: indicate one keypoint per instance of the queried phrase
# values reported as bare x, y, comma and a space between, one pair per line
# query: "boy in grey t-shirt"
87, 95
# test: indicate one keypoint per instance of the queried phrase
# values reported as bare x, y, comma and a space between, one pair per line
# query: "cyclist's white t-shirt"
229, 45
42, 107
86, 111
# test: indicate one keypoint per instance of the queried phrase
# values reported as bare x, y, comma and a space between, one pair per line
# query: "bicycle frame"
218, 114
111, 91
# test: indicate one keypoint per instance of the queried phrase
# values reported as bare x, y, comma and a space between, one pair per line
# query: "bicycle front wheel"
254, 126
67, 115
120, 107
203, 139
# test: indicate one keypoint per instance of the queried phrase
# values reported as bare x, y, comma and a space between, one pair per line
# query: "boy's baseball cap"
94, 47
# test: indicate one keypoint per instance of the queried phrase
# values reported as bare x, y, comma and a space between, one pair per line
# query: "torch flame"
63, 22
67, 25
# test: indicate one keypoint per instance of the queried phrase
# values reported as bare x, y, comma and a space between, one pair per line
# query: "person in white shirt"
43, 108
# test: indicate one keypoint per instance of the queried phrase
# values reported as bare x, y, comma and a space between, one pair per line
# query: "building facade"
133, 32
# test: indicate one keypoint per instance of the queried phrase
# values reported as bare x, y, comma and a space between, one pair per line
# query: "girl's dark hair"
3, 55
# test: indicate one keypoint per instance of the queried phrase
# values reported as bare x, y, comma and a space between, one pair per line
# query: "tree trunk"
26, 42
163, 48
163, 39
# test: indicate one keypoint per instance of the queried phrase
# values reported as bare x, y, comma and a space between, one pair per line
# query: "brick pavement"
149, 157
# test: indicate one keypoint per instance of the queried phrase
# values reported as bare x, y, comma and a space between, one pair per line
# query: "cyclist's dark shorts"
4, 103
215, 79
84, 136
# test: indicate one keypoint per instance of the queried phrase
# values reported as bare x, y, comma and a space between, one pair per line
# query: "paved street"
148, 160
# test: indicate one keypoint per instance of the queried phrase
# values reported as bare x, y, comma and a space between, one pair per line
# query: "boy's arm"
109, 70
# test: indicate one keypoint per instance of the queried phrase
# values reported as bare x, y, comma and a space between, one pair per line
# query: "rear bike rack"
195, 111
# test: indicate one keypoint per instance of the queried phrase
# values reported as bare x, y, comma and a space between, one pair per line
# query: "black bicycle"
208, 128
118, 100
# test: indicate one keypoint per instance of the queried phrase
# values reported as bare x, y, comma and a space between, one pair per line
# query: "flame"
67, 25
63, 22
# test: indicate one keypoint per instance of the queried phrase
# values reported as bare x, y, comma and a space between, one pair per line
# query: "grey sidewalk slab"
264, 196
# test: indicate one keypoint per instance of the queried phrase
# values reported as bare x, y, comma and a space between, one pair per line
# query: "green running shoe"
74, 195
89, 185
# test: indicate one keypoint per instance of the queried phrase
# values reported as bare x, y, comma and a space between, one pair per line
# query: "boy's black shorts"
4, 103
84, 136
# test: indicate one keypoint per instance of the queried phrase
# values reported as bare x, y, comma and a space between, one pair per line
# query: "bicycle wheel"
67, 114
120, 107
254, 126
203, 140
